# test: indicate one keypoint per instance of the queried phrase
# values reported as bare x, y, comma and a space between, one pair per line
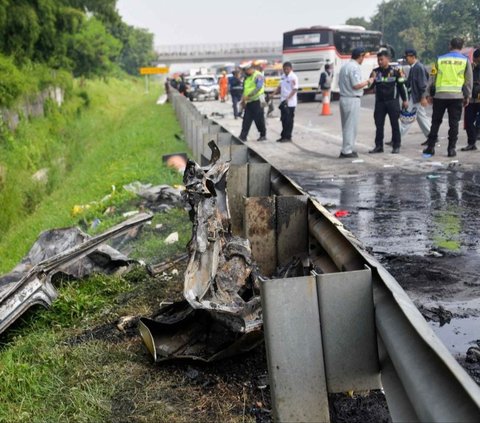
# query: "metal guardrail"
351, 327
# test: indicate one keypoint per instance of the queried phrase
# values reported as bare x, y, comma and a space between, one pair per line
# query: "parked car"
202, 87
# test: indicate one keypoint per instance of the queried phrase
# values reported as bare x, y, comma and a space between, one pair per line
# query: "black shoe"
469, 147
242, 139
424, 142
376, 150
280, 139
284, 140
389, 143
351, 155
429, 150
396, 150
262, 138
452, 152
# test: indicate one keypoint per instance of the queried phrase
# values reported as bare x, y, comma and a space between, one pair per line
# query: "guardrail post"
294, 350
345, 302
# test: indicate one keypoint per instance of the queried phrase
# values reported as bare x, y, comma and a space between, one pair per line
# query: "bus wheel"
306, 96
334, 96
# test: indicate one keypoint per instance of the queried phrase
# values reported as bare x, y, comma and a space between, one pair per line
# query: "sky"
224, 21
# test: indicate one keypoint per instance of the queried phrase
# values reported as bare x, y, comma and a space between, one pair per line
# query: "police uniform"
450, 86
253, 90
389, 85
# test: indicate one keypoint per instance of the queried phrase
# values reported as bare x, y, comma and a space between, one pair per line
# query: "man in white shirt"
351, 89
288, 101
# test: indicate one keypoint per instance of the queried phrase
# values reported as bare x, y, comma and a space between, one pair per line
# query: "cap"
411, 52
246, 65
358, 51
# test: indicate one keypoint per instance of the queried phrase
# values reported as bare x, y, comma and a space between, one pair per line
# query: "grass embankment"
118, 137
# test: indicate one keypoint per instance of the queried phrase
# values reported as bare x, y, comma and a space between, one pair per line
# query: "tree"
361, 21
93, 50
104, 10
45, 45
456, 18
21, 30
405, 17
85, 36
137, 49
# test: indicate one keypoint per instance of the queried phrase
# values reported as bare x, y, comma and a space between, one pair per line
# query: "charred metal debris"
221, 314
68, 252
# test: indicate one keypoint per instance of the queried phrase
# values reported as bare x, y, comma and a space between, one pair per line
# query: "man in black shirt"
389, 84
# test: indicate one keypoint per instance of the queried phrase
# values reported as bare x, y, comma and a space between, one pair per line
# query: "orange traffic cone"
326, 104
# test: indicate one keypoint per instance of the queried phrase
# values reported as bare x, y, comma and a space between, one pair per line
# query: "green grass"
119, 138
44, 379
447, 230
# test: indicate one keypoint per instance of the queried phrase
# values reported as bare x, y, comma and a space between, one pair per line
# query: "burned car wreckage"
221, 314
68, 252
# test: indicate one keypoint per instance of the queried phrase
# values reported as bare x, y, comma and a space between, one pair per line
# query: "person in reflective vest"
253, 92
450, 89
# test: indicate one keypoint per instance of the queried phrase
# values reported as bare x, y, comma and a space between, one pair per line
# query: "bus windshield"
345, 42
292, 40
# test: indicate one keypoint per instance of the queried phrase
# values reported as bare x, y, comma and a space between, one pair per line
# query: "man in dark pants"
449, 89
417, 82
472, 111
389, 84
253, 91
236, 88
288, 101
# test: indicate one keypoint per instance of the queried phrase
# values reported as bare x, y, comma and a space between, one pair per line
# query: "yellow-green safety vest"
450, 73
250, 85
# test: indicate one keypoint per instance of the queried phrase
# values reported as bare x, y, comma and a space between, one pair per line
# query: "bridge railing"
202, 50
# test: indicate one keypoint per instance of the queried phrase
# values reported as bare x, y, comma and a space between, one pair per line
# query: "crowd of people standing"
452, 86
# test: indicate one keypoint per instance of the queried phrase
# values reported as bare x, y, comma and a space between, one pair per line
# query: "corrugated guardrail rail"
349, 327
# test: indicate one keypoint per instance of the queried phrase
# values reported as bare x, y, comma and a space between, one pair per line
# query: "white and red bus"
310, 49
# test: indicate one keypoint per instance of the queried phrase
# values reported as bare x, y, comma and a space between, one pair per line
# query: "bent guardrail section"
347, 326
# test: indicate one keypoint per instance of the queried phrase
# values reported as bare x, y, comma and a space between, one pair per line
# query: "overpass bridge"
221, 52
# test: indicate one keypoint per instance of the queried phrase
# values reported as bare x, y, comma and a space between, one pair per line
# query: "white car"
202, 87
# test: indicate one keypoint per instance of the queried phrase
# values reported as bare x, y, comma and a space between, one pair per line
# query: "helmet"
408, 116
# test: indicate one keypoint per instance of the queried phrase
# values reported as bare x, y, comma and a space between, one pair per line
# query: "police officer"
449, 89
473, 109
253, 91
389, 84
